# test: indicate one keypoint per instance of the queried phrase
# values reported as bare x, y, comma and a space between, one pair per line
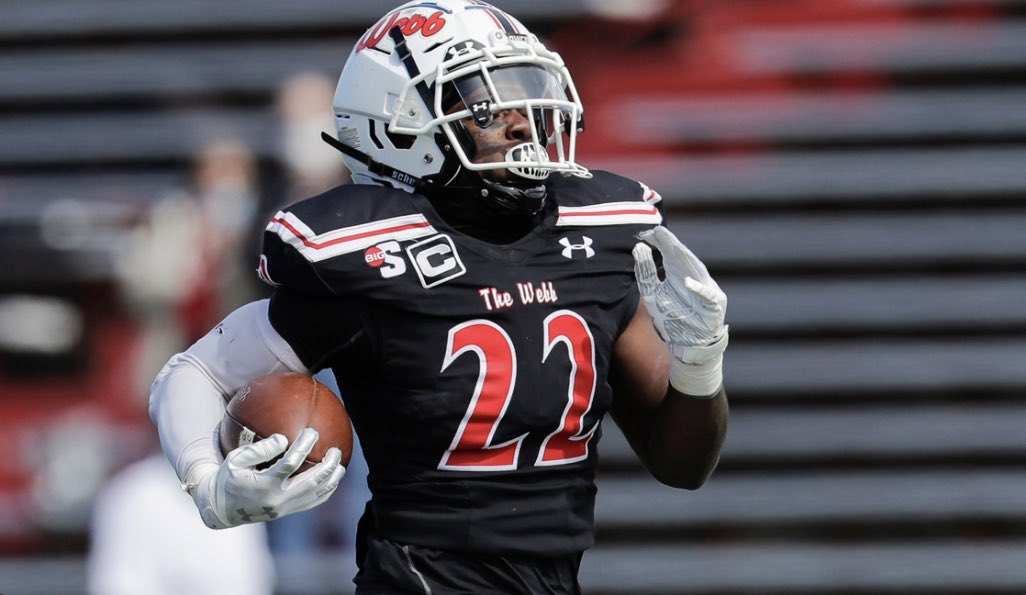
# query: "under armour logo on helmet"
463, 48
568, 248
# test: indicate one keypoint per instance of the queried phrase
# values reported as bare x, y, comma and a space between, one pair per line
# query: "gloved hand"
235, 492
688, 309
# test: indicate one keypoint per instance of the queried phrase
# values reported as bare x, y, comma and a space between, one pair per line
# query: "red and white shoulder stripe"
610, 213
317, 247
650, 196
264, 275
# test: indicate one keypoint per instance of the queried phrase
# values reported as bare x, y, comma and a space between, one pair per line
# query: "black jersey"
475, 374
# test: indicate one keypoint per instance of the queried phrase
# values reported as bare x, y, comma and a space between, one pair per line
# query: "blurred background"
853, 172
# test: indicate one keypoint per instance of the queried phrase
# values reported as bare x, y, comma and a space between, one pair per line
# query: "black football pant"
389, 568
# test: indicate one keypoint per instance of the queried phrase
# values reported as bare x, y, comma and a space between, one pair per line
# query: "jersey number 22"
472, 448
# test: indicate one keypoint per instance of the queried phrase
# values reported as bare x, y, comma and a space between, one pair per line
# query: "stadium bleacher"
853, 172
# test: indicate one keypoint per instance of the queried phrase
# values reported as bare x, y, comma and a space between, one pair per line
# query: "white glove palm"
688, 309
235, 492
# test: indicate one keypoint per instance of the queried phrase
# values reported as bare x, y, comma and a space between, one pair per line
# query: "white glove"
688, 309
235, 492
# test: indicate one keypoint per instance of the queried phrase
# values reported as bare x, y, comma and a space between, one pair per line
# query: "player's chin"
497, 175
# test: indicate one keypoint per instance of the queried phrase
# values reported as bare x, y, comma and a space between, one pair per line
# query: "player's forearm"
685, 438
186, 406
188, 397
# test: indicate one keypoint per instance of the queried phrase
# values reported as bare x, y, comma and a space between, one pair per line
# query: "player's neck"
479, 219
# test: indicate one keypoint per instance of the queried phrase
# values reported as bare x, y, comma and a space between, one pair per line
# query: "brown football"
285, 404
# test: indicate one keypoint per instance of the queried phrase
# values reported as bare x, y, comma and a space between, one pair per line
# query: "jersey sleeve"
317, 327
305, 308
282, 260
315, 245
313, 254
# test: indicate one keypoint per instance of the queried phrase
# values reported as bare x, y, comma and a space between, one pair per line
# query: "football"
285, 404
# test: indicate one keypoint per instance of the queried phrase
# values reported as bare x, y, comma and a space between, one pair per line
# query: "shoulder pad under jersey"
605, 199
300, 239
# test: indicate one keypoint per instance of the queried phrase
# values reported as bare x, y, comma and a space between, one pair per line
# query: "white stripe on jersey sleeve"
610, 213
344, 240
650, 196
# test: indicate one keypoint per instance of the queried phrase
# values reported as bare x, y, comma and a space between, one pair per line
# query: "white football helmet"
415, 77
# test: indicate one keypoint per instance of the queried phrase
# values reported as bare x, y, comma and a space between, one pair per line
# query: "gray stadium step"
969, 567
970, 367
27, 195
922, 175
774, 497
865, 238
824, 117
866, 434
164, 71
881, 48
903, 304
132, 137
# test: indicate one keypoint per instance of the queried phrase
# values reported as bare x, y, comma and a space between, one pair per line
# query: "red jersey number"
471, 448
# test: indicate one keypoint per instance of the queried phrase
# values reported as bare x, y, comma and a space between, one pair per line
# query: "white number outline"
579, 439
454, 451
580, 392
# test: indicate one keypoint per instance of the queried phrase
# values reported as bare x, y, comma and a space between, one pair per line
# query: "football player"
483, 300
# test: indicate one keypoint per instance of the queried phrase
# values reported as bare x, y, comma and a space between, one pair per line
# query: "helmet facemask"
533, 91
472, 86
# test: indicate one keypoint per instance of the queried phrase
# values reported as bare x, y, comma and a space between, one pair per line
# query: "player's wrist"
198, 466
198, 474
700, 381
697, 353
197, 459
205, 496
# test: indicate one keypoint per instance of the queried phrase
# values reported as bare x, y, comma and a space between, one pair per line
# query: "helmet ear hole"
400, 141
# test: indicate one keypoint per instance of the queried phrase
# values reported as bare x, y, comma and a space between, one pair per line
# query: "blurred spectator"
194, 258
148, 539
188, 257
182, 270
226, 187
311, 166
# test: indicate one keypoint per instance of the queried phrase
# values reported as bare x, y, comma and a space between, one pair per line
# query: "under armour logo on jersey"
568, 248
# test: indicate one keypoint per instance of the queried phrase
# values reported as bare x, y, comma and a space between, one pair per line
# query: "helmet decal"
463, 48
501, 19
417, 23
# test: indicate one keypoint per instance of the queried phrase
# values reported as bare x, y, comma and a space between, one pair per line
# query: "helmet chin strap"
525, 194
376, 167
523, 198
499, 212
511, 199
519, 198
487, 209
